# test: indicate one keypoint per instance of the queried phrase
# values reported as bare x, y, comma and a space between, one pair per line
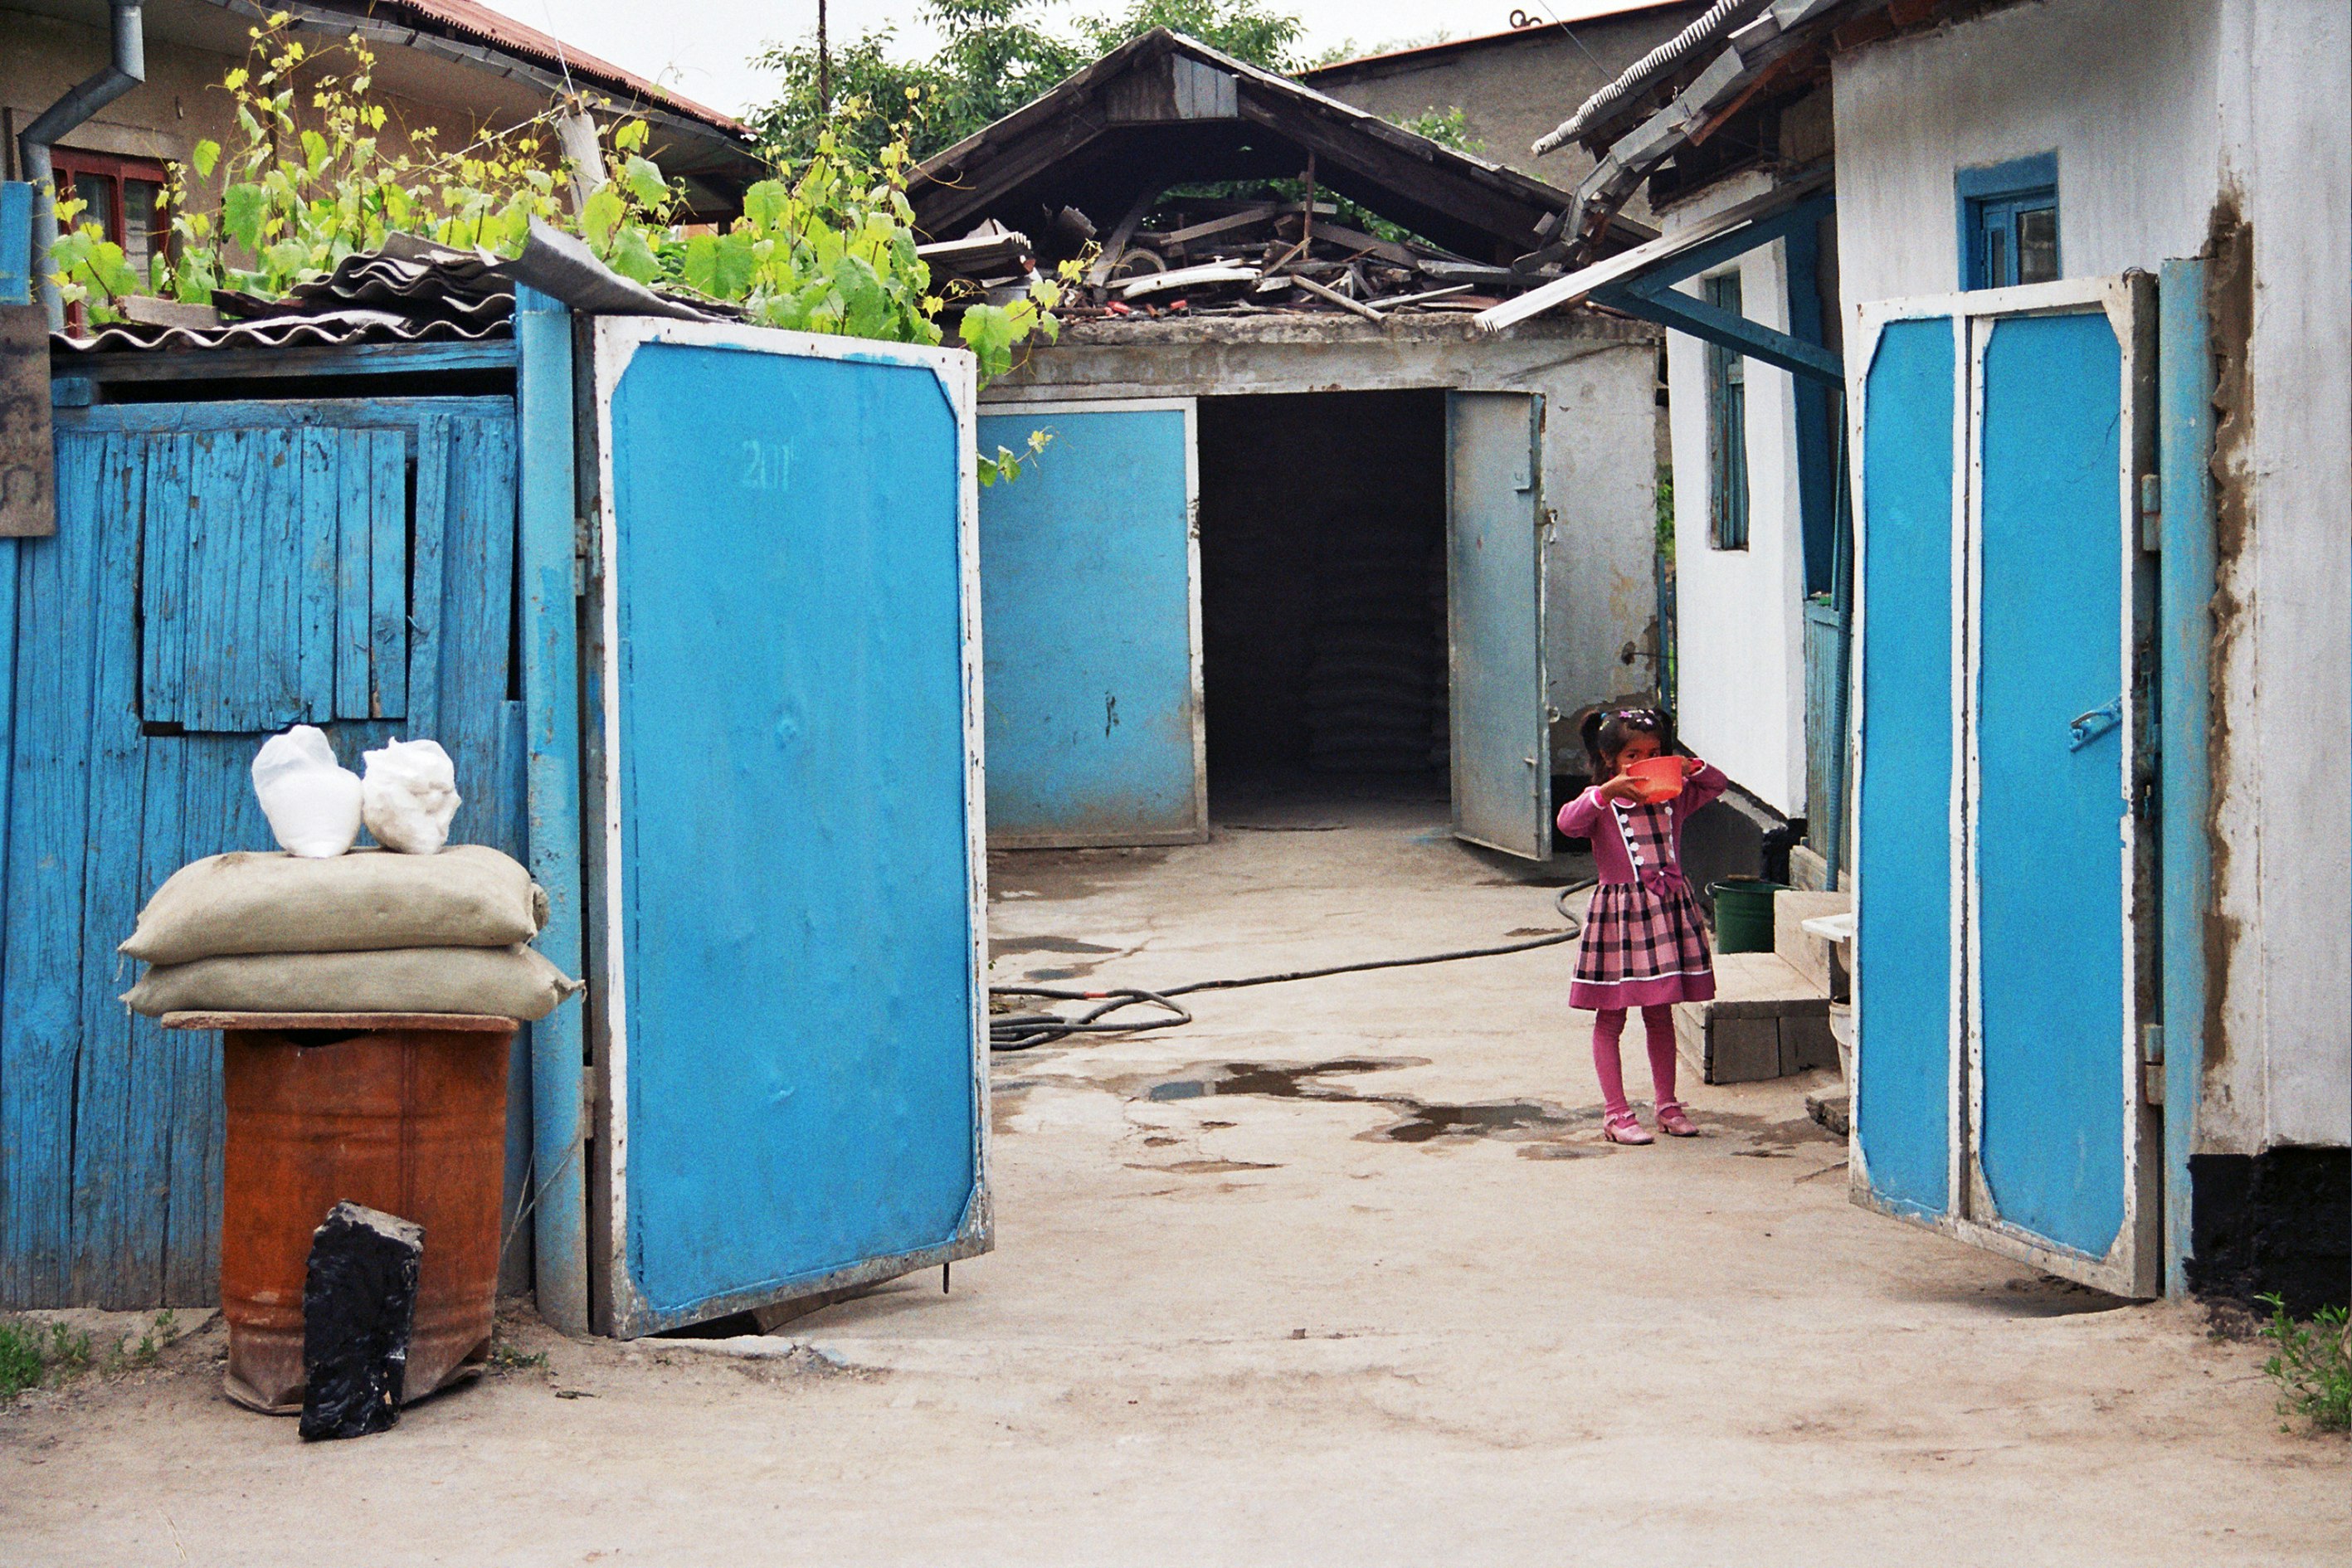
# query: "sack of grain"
497, 982
365, 902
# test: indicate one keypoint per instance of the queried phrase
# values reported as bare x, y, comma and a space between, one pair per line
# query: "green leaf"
242, 206
601, 216
644, 182
205, 154
314, 151
700, 268
632, 257
765, 203
736, 264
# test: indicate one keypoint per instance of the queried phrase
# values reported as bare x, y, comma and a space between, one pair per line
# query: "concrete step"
1767, 1020
1808, 954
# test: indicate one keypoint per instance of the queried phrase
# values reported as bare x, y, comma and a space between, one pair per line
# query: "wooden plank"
278, 619
387, 574
425, 586
320, 546
1116, 245
1336, 298
153, 1066
476, 604
354, 550
547, 505
117, 1259
442, 1023
40, 1014
217, 791
240, 364
210, 539
1263, 212
245, 413
163, 579
242, 501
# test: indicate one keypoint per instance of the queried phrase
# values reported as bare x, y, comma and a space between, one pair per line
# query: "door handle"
2085, 728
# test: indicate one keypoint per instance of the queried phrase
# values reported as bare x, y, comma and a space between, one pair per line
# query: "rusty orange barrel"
405, 1115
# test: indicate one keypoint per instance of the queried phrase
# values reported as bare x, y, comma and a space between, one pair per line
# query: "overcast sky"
701, 48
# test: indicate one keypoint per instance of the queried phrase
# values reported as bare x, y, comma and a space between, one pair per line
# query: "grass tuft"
2312, 1364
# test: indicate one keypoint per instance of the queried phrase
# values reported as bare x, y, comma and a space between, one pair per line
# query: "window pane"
98, 191
140, 239
2037, 244
1997, 274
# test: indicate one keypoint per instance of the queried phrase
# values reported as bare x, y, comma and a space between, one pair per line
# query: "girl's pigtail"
1590, 733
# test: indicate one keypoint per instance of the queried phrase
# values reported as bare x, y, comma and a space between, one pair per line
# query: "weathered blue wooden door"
220, 570
1495, 616
2004, 895
788, 994
1089, 573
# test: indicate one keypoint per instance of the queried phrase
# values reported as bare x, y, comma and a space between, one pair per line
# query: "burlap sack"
365, 902
500, 982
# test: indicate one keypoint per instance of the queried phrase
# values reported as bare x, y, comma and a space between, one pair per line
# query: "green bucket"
1743, 913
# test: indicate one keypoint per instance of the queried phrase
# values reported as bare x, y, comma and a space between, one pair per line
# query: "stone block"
1807, 955
1742, 1051
1806, 1043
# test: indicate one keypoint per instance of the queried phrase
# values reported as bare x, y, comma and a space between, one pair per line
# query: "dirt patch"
1058, 874
1418, 1121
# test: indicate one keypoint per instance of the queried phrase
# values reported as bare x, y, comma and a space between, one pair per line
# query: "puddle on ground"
1532, 1122
999, 946
1207, 1167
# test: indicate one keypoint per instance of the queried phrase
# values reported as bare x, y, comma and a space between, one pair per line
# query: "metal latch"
2151, 514
2085, 728
2151, 1060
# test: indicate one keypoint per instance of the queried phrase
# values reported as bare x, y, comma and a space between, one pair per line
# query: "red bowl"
1660, 778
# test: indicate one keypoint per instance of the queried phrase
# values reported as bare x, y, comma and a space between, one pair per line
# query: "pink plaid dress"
1645, 941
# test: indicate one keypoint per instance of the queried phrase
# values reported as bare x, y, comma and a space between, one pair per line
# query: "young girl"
1644, 943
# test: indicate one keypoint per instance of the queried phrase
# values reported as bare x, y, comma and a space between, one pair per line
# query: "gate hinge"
582, 553
2151, 514
2151, 1061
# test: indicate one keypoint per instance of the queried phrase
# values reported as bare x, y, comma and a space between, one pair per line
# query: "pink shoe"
1674, 1121
1619, 1127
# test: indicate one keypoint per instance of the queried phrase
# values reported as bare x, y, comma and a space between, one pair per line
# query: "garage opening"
1322, 550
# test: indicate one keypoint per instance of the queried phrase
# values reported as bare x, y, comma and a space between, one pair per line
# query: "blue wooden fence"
220, 570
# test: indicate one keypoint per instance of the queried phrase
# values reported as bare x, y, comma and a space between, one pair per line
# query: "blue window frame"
1726, 427
2008, 223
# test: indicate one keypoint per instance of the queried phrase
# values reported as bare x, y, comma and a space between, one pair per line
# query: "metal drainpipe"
128, 69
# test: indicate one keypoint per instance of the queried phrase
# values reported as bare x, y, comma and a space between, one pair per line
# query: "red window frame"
67, 162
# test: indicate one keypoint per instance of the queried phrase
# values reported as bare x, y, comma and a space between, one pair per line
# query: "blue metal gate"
2003, 967
220, 570
1089, 571
1499, 714
791, 1062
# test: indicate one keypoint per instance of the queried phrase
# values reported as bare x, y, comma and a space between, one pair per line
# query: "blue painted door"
220, 570
1089, 573
2004, 862
1494, 614
788, 973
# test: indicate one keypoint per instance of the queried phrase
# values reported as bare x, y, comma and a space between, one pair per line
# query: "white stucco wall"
2154, 108
2122, 90
1739, 614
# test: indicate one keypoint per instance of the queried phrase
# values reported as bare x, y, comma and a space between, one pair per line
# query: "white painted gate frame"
2133, 1264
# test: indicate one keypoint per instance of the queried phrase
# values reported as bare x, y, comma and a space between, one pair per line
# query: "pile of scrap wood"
1222, 255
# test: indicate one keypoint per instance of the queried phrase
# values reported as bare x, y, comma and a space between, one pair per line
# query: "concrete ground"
1339, 1273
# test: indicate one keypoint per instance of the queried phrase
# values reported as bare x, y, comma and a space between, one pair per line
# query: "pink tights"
1608, 1027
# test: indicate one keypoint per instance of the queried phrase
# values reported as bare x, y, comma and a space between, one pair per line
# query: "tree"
993, 58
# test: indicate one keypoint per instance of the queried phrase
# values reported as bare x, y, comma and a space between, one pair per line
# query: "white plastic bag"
312, 804
410, 796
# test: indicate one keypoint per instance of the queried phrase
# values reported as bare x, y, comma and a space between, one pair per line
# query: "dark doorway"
1322, 527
